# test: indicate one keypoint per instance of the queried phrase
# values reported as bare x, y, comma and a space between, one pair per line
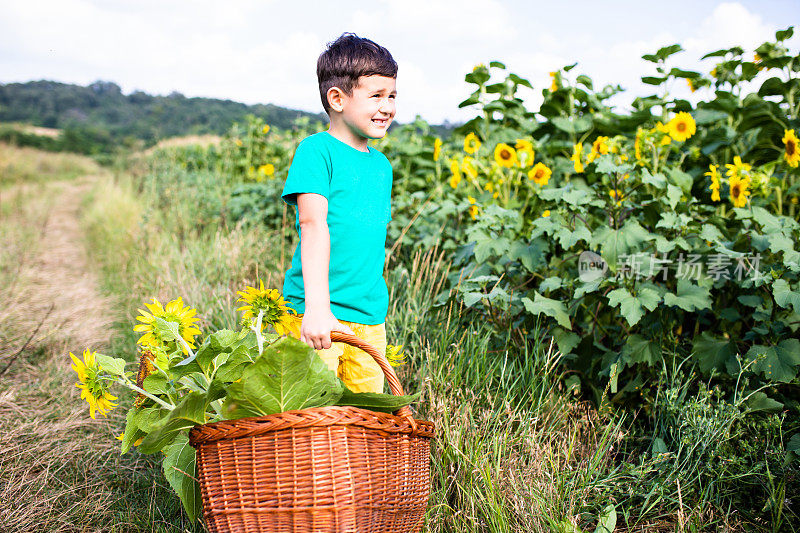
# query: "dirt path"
60, 277
49, 444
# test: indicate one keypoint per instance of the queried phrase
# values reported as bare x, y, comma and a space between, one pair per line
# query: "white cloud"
265, 51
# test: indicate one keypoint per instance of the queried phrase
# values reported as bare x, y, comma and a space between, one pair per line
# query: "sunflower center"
505, 154
539, 173
681, 126
790, 147
736, 190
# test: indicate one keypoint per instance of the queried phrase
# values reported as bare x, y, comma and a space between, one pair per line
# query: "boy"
342, 190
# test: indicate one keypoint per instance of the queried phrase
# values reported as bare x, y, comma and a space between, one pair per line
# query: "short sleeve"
309, 172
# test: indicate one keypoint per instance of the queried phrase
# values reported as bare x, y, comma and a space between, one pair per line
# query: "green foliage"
96, 117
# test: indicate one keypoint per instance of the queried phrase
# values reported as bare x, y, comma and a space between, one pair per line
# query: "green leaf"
681, 179
606, 165
782, 35
132, 432
607, 522
586, 81
785, 296
690, 296
673, 195
471, 298
156, 384
112, 365
641, 350
188, 413
779, 362
579, 125
289, 375
551, 284
180, 470
614, 243
750, 300
652, 80
657, 180
147, 419
565, 340
632, 307
711, 352
759, 401
710, 232
385, 403
546, 306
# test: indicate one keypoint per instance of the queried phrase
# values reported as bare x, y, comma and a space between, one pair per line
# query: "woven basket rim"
332, 415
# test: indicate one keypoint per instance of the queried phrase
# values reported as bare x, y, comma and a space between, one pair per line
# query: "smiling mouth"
380, 121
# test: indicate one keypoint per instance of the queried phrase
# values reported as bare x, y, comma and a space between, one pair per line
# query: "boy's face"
371, 108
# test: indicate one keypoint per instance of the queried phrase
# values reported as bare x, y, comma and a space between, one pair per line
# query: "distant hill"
100, 116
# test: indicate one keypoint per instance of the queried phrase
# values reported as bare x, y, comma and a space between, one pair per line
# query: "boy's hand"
317, 326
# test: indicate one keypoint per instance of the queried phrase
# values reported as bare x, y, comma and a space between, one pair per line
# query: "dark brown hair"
348, 58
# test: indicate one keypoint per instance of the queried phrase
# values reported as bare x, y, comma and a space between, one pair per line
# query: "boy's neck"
340, 131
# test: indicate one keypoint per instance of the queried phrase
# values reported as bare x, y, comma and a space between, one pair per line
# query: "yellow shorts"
354, 366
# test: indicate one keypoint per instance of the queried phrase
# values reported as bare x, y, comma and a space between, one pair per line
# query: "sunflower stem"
134, 387
257, 329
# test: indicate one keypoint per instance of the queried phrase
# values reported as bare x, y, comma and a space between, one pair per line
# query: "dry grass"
185, 140
23, 164
36, 130
53, 465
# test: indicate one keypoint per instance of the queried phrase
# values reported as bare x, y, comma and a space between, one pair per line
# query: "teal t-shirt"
358, 186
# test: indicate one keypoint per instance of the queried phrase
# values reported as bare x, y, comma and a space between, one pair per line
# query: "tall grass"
516, 448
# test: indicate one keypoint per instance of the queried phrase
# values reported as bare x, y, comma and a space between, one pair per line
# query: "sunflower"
599, 147
525, 152
473, 209
791, 154
739, 190
714, 175
395, 355
737, 168
471, 143
665, 140
93, 388
554, 83
271, 302
267, 170
504, 155
468, 168
682, 126
121, 436
173, 312
265, 129
437, 148
545, 213
637, 145
540, 174
577, 152
455, 179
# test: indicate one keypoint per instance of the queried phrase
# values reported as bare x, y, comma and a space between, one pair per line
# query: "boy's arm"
315, 246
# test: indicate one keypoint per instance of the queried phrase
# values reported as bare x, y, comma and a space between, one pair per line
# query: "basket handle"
388, 371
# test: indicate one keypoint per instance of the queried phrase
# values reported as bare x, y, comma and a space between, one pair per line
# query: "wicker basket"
324, 469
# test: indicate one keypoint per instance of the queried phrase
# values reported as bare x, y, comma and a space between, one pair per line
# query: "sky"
265, 51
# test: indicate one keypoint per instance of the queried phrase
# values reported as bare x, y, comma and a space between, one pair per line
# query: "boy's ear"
335, 99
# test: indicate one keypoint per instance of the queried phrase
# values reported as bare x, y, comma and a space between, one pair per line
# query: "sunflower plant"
227, 374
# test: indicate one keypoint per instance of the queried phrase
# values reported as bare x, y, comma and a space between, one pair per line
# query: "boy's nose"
387, 106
